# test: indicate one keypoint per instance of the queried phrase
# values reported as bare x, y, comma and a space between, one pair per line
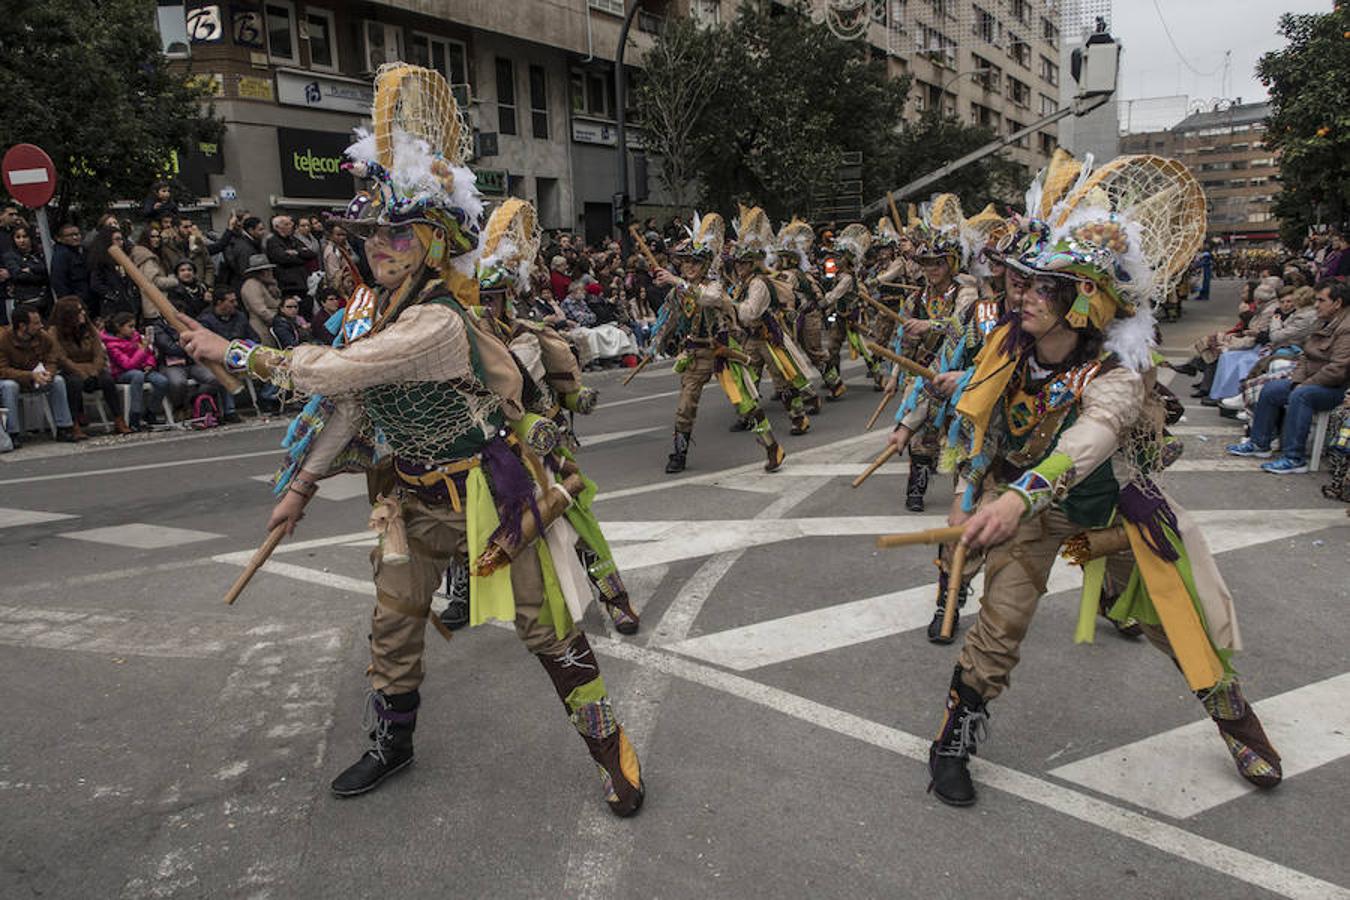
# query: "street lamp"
942, 91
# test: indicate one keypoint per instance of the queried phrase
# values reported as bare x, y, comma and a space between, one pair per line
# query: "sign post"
30, 178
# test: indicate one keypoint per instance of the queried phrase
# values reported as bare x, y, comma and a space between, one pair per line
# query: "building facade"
1225, 150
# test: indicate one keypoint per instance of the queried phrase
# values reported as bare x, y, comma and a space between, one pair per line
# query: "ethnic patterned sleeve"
426, 343
1110, 403
953, 324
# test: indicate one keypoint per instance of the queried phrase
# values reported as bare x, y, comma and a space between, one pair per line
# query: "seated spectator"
288, 329
1317, 384
557, 275
30, 362
133, 363
179, 368
1281, 333
641, 315
111, 290
575, 307
227, 320
261, 295
190, 294
27, 269
540, 306
84, 362
147, 257
330, 303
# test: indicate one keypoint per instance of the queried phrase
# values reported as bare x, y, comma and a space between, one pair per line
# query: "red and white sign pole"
30, 178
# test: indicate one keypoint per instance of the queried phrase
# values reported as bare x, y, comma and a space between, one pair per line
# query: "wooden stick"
895, 213
643, 248
170, 314
944, 535
954, 574
884, 309
886, 398
259, 557
877, 463
903, 362
642, 364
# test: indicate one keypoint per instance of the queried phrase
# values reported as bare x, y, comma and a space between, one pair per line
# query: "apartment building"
1225, 150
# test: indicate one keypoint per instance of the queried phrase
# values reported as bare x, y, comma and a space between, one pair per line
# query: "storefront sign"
311, 163
213, 84
323, 92
192, 167
204, 24
491, 182
251, 88
246, 24
598, 131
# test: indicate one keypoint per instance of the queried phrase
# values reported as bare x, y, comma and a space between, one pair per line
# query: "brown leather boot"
77, 433
120, 426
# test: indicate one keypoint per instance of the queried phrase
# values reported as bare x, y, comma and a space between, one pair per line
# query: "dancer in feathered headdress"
843, 307
423, 381
761, 302
793, 245
702, 329
1064, 440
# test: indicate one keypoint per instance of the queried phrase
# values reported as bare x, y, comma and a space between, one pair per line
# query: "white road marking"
603, 404
608, 436
100, 632
168, 464
141, 536
10, 518
1166, 838
1309, 726
344, 486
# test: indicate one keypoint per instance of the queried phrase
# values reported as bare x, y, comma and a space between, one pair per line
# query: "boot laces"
376, 726
572, 658
964, 738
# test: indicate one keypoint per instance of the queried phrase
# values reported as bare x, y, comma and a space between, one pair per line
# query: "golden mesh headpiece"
707, 235
1060, 176
886, 235
510, 244
855, 240
754, 234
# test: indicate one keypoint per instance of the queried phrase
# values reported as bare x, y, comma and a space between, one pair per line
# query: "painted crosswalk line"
1309, 726
142, 536
336, 487
12, 518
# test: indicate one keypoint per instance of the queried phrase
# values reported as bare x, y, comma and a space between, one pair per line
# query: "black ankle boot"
390, 721
456, 613
676, 461
919, 468
963, 726
935, 626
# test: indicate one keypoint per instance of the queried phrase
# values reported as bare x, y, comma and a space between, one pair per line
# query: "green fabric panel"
554, 610
1053, 467
742, 376
1092, 501
592, 691
1094, 575
490, 597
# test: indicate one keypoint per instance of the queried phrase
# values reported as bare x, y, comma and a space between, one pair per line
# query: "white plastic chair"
35, 407
1319, 439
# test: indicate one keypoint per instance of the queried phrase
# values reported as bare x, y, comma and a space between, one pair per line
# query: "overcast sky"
1203, 29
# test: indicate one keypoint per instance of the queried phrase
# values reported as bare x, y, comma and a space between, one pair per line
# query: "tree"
679, 76
85, 80
935, 140
1310, 124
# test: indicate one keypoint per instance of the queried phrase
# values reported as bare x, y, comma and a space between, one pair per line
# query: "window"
1048, 105
173, 35
591, 94
1046, 143
445, 56
1260, 217
706, 12
1019, 50
939, 48
1049, 71
539, 102
1021, 11
1268, 161
1020, 92
384, 43
506, 96
984, 28
1013, 128
1049, 32
320, 30
609, 6
279, 20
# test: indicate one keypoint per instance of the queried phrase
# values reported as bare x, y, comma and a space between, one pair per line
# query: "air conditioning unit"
383, 44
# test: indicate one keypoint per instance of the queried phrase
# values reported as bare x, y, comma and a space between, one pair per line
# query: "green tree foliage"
935, 140
790, 99
1310, 122
85, 80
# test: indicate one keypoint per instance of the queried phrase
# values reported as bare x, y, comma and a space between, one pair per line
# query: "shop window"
279, 20
506, 96
539, 102
321, 33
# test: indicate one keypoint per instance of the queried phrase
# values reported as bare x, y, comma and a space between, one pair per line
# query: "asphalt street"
781, 692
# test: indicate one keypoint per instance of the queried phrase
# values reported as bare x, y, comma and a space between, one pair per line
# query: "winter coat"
84, 356
190, 298
237, 252
152, 267
28, 278
235, 328
290, 256
112, 291
70, 273
287, 332
18, 358
127, 355
1326, 354
262, 302
1294, 327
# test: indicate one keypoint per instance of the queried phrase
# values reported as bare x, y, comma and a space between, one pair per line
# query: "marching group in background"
1019, 351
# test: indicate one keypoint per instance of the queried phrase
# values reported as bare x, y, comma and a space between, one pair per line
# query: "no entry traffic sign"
30, 177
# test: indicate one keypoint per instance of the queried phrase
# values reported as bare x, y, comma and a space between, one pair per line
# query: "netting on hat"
419, 103
945, 212
1060, 176
1163, 198
511, 239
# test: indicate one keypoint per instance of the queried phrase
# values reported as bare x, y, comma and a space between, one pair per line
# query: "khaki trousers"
1015, 578
692, 380
813, 326
403, 594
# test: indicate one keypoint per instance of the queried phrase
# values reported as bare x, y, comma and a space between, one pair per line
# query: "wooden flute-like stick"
259, 557
170, 314
645, 250
886, 398
903, 362
883, 309
954, 575
877, 463
895, 213
945, 535
642, 364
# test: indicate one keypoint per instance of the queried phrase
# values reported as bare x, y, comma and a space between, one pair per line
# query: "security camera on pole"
30, 178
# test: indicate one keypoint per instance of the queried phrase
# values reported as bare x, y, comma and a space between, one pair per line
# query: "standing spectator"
83, 361
159, 202
304, 233
147, 257
290, 256
27, 271
336, 273
9, 220
261, 295
245, 245
111, 290
186, 241
220, 248
178, 368
329, 304
133, 362
69, 269
29, 361
287, 328
189, 295
1317, 384
1204, 267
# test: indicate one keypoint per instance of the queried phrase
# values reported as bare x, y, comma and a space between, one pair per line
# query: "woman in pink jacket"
132, 362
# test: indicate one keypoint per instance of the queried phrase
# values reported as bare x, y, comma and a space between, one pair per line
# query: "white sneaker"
1234, 402
1243, 416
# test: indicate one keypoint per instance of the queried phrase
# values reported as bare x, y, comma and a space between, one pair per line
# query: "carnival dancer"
793, 251
702, 322
424, 390
843, 307
759, 309
889, 284
552, 389
1061, 437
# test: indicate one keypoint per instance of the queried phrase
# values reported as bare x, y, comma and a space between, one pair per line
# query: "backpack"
205, 412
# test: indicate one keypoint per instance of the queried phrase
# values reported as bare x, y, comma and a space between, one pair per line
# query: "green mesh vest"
1090, 502
437, 421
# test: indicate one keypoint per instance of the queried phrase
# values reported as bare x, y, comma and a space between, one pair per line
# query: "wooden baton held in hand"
895, 213
259, 557
886, 398
883, 308
166, 309
954, 575
877, 463
903, 362
642, 364
945, 535
646, 251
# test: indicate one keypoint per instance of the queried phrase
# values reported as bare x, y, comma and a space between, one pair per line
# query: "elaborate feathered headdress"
754, 235
938, 235
1055, 182
706, 237
981, 234
796, 237
855, 240
510, 244
886, 235
415, 158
